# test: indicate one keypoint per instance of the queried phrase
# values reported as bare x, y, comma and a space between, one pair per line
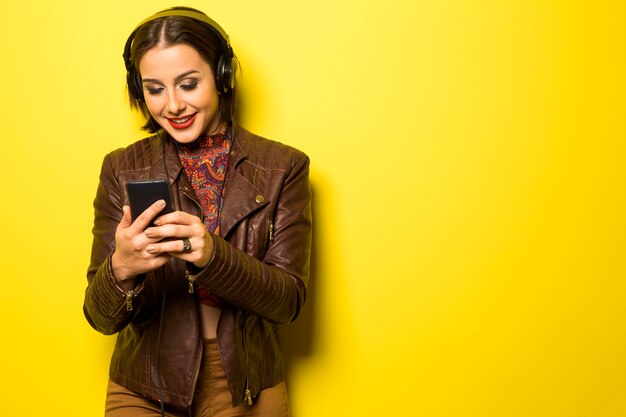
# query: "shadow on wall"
297, 338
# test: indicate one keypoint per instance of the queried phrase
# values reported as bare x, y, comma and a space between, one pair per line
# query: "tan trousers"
212, 397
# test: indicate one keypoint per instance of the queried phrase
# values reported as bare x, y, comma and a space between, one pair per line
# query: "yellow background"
468, 166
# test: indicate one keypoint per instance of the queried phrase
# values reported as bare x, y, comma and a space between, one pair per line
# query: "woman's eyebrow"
176, 80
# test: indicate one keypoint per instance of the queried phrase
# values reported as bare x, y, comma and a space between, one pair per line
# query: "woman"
196, 297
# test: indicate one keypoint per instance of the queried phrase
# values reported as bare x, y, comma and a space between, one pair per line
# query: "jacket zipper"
191, 279
247, 394
128, 296
271, 230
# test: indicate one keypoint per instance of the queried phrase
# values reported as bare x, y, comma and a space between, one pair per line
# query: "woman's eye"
189, 86
154, 91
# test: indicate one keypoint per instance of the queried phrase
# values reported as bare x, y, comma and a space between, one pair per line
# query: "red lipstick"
182, 122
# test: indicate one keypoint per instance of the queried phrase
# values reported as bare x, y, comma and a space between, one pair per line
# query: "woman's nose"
175, 104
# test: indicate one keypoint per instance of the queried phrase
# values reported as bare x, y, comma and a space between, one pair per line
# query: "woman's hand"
182, 235
131, 257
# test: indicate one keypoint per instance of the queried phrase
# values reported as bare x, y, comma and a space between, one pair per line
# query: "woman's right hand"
130, 257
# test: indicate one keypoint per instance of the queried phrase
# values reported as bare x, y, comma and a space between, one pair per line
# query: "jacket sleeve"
105, 305
273, 287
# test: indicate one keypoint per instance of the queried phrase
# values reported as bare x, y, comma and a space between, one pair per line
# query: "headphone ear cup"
225, 77
135, 86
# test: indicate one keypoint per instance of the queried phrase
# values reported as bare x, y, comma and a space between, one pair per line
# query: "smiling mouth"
182, 122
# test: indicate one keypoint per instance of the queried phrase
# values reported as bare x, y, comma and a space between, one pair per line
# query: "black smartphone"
143, 193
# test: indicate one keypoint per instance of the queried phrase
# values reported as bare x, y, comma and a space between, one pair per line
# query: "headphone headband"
201, 17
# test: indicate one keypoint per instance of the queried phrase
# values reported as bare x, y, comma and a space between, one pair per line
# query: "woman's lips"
182, 122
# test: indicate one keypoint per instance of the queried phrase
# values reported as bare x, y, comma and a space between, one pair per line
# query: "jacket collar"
241, 196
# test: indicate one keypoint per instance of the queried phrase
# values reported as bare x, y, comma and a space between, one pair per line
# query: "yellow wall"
468, 164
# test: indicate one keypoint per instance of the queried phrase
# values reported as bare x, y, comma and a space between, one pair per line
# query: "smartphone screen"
143, 193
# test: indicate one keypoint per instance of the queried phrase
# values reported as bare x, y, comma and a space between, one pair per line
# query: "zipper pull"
129, 300
271, 231
191, 279
248, 396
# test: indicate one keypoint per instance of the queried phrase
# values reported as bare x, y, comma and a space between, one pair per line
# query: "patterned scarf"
205, 162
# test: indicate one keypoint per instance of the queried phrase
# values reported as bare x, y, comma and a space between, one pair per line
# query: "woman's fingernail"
150, 248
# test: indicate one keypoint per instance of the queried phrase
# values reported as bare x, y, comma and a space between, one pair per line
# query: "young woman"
196, 297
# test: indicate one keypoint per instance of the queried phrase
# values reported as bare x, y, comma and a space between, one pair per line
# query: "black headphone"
224, 73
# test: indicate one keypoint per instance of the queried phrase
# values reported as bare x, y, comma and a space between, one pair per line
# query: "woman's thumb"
126, 220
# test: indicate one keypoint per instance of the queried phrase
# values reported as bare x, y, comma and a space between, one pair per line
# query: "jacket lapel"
241, 197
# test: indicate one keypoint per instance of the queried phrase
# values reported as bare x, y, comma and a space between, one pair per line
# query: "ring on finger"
186, 245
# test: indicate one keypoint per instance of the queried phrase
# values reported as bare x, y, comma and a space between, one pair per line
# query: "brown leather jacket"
259, 270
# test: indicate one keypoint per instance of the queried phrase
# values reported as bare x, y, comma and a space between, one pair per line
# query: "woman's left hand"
184, 236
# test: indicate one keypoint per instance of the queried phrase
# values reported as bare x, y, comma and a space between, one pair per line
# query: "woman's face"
179, 91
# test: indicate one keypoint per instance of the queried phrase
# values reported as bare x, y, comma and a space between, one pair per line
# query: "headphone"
224, 73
